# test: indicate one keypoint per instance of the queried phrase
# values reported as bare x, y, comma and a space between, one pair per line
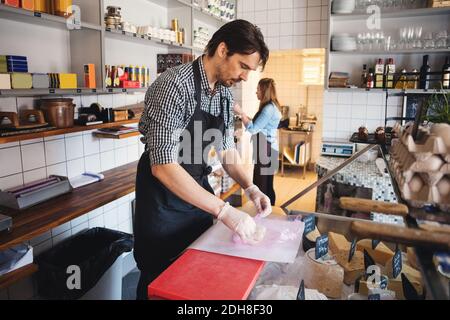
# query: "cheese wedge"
337, 242
340, 249
326, 276
396, 285
412, 274
353, 269
382, 254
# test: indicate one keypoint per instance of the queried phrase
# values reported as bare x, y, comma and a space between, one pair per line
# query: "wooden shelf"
116, 137
10, 278
61, 92
423, 12
204, 11
22, 15
230, 192
58, 132
146, 39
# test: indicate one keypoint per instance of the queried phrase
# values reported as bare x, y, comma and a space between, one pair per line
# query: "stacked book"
17, 64
338, 80
118, 132
3, 64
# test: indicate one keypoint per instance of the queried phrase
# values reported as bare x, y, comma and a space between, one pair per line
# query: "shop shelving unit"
89, 39
431, 19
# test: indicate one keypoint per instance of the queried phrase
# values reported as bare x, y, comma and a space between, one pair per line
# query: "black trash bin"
91, 252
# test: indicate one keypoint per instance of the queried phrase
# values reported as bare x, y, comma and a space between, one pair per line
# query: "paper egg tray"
423, 175
426, 145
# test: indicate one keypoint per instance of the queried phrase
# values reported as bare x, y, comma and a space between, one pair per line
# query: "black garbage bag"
93, 251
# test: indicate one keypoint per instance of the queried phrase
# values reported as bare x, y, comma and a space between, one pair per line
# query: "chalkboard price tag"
375, 296
397, 264
37, 14
321, 246
352, 250
368, 261
79, 90
301, 291
51, 91
124, 90
375, 244
310, 224
384, 282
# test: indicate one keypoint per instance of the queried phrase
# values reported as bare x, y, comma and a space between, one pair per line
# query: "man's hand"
260, 200
240, 223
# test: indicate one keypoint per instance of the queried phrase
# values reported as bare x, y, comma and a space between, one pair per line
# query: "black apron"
165, 225
266, 165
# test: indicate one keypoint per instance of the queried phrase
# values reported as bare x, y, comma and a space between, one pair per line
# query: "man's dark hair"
241, 37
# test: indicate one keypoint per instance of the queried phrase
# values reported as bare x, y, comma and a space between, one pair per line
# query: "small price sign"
352, 250
397, 264
310, 224
301, 291
321, 246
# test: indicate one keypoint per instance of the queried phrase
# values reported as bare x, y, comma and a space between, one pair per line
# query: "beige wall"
286, 69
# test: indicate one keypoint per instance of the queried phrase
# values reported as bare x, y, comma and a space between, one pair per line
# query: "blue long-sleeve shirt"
267, 123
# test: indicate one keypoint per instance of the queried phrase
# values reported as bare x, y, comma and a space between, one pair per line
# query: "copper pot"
59, 112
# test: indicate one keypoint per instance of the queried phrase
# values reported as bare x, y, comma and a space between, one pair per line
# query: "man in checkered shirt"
174, 202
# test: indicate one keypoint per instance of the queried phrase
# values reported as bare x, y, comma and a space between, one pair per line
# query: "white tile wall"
279, 22
55, 151
34, 175
352, 110
33, 156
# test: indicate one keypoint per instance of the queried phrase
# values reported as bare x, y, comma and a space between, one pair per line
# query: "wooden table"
289, 138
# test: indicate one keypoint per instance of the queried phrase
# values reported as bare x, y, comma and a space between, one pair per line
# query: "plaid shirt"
169, 106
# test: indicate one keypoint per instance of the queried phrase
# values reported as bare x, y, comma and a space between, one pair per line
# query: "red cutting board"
199, 275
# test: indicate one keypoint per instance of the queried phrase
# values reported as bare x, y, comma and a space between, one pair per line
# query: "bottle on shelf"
370, 79
446, 74
108, 78
147, 78
115, 76
379, 74
390, 71
364, 77
424, 80
413, 83
132, 74
402, 82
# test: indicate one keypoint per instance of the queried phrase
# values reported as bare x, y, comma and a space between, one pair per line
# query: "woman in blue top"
264, 130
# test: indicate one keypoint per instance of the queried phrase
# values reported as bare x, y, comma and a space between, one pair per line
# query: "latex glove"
260, 200
240, 223
237, 109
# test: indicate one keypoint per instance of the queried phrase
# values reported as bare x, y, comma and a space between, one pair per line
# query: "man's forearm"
177, 180
231, 162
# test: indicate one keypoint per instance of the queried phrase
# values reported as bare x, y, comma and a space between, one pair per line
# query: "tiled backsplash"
289, 24
344, 112
68, 155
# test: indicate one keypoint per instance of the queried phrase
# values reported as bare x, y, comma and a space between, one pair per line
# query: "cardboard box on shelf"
68, 81
89, 76
12, 3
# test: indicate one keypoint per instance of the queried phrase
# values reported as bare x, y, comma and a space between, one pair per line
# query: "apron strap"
197, 83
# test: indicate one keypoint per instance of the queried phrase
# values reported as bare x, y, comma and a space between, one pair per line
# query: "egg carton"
416, 190
401, 159
428, 143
